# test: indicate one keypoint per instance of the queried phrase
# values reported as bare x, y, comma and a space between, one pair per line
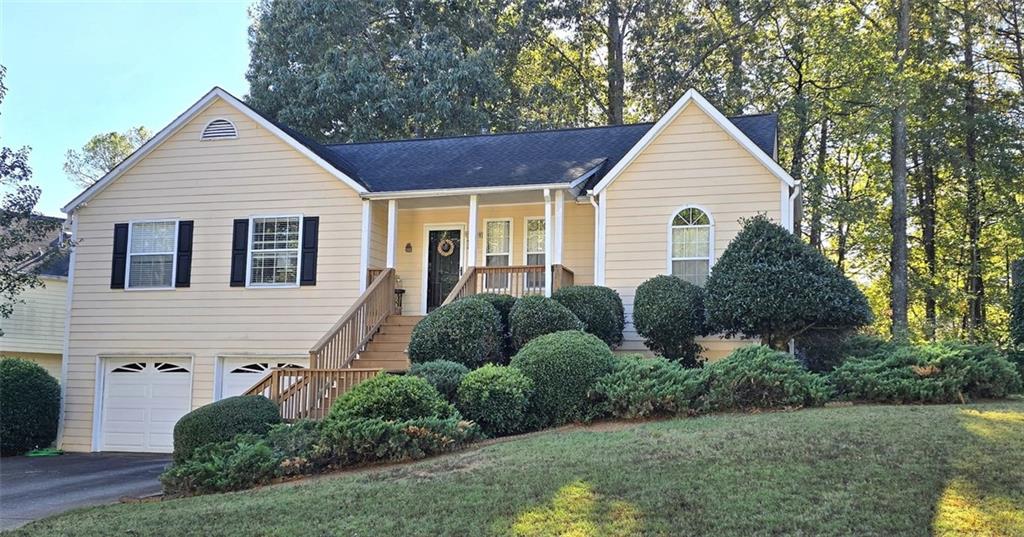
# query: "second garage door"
240, 374
142, 400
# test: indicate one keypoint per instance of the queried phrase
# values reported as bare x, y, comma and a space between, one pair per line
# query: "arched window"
691, 243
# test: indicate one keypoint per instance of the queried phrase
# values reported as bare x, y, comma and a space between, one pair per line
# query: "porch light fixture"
408, 247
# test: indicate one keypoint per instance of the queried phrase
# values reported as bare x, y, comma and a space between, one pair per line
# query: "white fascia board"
184, 118
693, 96
432, 193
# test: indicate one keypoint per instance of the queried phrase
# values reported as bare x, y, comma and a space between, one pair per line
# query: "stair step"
392, 337
390, 361
403, 320
378, 345
405, 330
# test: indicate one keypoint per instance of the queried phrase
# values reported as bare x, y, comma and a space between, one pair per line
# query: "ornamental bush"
496, 398
1017, 304
392, 398
501, 302
756, 376
642, 387
444, 375
221, 421
946, 372
29, 406
466, 331
362, 440
598, 308
299, 446
537, 315
563, 366
669, 313
242, 462
770, 285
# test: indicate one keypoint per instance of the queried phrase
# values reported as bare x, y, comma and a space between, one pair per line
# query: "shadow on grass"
985, 496
576, 510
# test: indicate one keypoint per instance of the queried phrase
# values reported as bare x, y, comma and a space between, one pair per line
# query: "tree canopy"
102, 153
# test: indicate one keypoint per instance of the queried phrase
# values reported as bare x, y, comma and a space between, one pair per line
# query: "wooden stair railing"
308, 393
516, 280
349, 335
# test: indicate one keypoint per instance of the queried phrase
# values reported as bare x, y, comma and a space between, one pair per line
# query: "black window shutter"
310, 230
239, 251
117, 266
183, 272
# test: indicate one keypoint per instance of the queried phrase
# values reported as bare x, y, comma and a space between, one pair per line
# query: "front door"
444, 253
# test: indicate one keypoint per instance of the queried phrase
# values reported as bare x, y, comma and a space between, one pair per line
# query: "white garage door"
240, 374
142, 400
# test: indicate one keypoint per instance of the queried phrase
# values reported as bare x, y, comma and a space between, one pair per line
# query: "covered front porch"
450, 245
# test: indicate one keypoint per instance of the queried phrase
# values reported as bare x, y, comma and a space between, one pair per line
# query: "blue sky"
79, 69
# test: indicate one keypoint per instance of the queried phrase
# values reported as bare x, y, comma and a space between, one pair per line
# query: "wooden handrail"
349, 335
515, 280
308, 393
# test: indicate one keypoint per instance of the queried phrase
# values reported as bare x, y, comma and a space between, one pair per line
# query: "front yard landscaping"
848, 470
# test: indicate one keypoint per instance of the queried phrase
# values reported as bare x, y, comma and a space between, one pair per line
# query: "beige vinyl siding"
37, 323
48, 361
378, 234
577, 252
211, 183
692, 161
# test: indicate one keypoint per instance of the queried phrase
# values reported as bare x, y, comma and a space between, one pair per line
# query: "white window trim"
711, 238
527, 252
248, 256
207, 125
511, 248
173, 253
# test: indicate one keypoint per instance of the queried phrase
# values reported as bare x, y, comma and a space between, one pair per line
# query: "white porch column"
364, 246
600, 218
547, 242
556, 258
471, 244
392, 232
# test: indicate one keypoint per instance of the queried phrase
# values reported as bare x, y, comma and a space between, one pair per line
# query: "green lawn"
864, 470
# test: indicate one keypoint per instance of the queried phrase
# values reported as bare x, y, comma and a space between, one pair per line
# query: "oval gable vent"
219, 129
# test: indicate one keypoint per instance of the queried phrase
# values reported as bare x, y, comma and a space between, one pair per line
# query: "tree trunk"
616, 69
975, 283
734, 90
816, 188
898, 158
926, 202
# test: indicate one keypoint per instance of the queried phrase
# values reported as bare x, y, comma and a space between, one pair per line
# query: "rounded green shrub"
598, 308
496, 398
642, 387
466, 331
501, 302
392, 398
537, 315
444, 375
29, 406
563, 366
756, 376
220, 421
669, 314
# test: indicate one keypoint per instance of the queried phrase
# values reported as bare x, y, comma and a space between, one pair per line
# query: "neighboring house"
230, 250
35, 329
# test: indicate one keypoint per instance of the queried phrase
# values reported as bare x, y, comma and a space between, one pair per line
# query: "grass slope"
865, 470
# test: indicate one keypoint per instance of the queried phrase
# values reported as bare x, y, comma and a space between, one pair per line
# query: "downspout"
72, 218
797, 188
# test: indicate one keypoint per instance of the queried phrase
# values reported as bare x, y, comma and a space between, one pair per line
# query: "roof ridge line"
490, 135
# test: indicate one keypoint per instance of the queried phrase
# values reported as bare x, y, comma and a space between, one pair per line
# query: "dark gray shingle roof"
520, 158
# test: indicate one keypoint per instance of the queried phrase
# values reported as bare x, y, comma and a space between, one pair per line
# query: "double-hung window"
690, 245
535, 251
498, 251
274, 251
151, 254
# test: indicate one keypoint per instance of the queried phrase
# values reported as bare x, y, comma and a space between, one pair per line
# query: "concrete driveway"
35, 487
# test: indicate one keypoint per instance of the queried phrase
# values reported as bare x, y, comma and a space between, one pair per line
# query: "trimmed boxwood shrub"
501, 302
466, 331
564, 367
756, 376
945, 372
358, 441
669, 313
445, 375
242, 462
496, 398
220, 421
392, 398
598, 308
29, 406
537, 315
770, 285
642, 387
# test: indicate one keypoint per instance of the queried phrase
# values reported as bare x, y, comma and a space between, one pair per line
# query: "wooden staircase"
387, 348
371, 337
